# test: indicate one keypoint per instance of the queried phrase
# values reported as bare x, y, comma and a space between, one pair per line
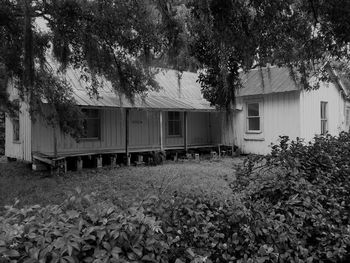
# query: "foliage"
230, 36
289, 206
120, 40
113, 40
79, 231
301, 191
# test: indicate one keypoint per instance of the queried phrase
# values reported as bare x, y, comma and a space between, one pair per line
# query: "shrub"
289, 206
79, 231
301, 191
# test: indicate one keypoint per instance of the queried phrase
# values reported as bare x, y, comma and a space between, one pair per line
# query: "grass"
120, 186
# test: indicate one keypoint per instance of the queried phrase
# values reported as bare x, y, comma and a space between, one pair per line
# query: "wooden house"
177, 117
174, 118
272, 104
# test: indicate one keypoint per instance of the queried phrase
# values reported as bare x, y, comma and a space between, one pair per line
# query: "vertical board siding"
221, 128
143, 134
311, 113
215, 127
197, 128
25, 132
112, 135
347, 122
21, 150
12, 149
280, 116
144, 129
42, 137
203, 128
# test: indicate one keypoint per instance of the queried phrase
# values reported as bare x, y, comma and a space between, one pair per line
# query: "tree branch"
314, 11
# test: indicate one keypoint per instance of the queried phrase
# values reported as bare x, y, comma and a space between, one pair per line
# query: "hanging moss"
2, 132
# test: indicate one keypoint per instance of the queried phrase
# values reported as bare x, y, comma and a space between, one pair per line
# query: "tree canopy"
123, 40
229, 36
115, 39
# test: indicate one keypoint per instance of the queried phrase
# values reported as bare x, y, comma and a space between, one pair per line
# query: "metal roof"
266, 81
187, 95
170, 96
344, 82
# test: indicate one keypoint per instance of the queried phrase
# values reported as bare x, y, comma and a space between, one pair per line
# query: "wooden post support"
175, 157
79, 164
127, 137
99, 161
128, 160
161, 139
65, 165
61, 165
196, 156
114, 160
185, 131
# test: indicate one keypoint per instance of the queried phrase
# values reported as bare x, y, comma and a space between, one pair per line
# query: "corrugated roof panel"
266, 81
170, 96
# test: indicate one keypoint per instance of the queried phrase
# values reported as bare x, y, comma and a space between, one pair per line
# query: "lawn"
120, 186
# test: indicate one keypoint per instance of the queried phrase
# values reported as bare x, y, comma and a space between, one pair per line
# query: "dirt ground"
120, 186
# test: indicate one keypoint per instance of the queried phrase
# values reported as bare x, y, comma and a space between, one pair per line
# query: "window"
347, 116
254, 117
91, 124
324, 121
15, 122
174, 123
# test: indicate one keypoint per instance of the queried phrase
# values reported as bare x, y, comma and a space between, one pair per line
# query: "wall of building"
198, 130
144, 133
21, 149
280, 116
311, 111
221, 128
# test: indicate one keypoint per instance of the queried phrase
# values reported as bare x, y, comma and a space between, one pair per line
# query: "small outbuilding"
272, 104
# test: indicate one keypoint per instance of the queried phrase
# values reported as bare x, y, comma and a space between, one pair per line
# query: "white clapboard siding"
144, 133
112, 136
280, 116
21, 149
311, 111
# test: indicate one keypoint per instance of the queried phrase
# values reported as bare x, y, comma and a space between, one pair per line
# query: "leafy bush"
289, 206
302, 192
79, 231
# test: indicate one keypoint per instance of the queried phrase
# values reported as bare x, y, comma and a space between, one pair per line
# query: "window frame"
260, 116
325, 119
86, 118
16, 136
347, 115
174, 121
